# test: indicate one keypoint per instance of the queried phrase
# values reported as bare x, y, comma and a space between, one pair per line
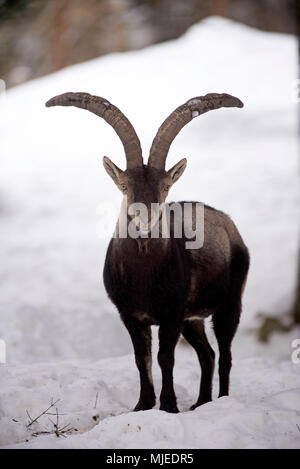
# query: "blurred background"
38, 37
147, 57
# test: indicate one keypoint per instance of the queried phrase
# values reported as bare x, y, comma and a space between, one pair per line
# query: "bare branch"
32, 421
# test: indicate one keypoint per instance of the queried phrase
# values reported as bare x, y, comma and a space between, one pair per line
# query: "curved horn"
180, 117
112, 115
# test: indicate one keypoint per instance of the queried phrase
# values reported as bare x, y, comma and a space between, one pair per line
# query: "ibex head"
145, 183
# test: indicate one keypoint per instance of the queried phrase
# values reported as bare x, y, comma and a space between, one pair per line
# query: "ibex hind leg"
194, 333
225, 321
227, 317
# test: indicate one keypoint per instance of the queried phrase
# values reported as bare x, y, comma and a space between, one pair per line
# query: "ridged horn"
112, 115
180, 117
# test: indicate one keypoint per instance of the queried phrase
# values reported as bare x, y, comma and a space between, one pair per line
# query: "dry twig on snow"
57, 429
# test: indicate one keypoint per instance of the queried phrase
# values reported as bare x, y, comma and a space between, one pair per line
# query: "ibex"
157, 280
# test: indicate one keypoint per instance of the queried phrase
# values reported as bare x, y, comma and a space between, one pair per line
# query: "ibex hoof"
144, 406
199, 403
169, 408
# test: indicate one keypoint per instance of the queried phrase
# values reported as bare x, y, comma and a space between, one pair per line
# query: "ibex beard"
169, 281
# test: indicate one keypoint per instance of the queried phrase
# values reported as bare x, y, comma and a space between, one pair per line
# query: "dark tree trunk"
60, 43
296, 309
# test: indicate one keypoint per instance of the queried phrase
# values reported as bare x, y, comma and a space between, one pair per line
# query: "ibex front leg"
141, 339
168, 337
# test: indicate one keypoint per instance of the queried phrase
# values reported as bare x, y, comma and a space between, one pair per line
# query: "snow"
64, 338
262, 413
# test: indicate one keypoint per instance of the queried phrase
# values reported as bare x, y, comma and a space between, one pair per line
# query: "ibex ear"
113, 170
177, 170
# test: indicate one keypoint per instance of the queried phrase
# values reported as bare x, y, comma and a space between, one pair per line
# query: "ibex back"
158, 280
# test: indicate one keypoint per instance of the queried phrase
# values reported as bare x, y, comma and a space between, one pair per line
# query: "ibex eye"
123, 187
166, 188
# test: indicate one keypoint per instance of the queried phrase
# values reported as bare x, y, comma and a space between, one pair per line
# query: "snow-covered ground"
62, 334
263, 411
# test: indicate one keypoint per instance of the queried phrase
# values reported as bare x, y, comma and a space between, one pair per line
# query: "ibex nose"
145, 219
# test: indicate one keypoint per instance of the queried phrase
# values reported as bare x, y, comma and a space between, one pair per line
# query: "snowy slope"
263, 411
53, 306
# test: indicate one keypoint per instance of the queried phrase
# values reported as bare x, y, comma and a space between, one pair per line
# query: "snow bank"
263, 412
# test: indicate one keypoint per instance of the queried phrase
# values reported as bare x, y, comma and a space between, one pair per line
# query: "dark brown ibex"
157, 280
